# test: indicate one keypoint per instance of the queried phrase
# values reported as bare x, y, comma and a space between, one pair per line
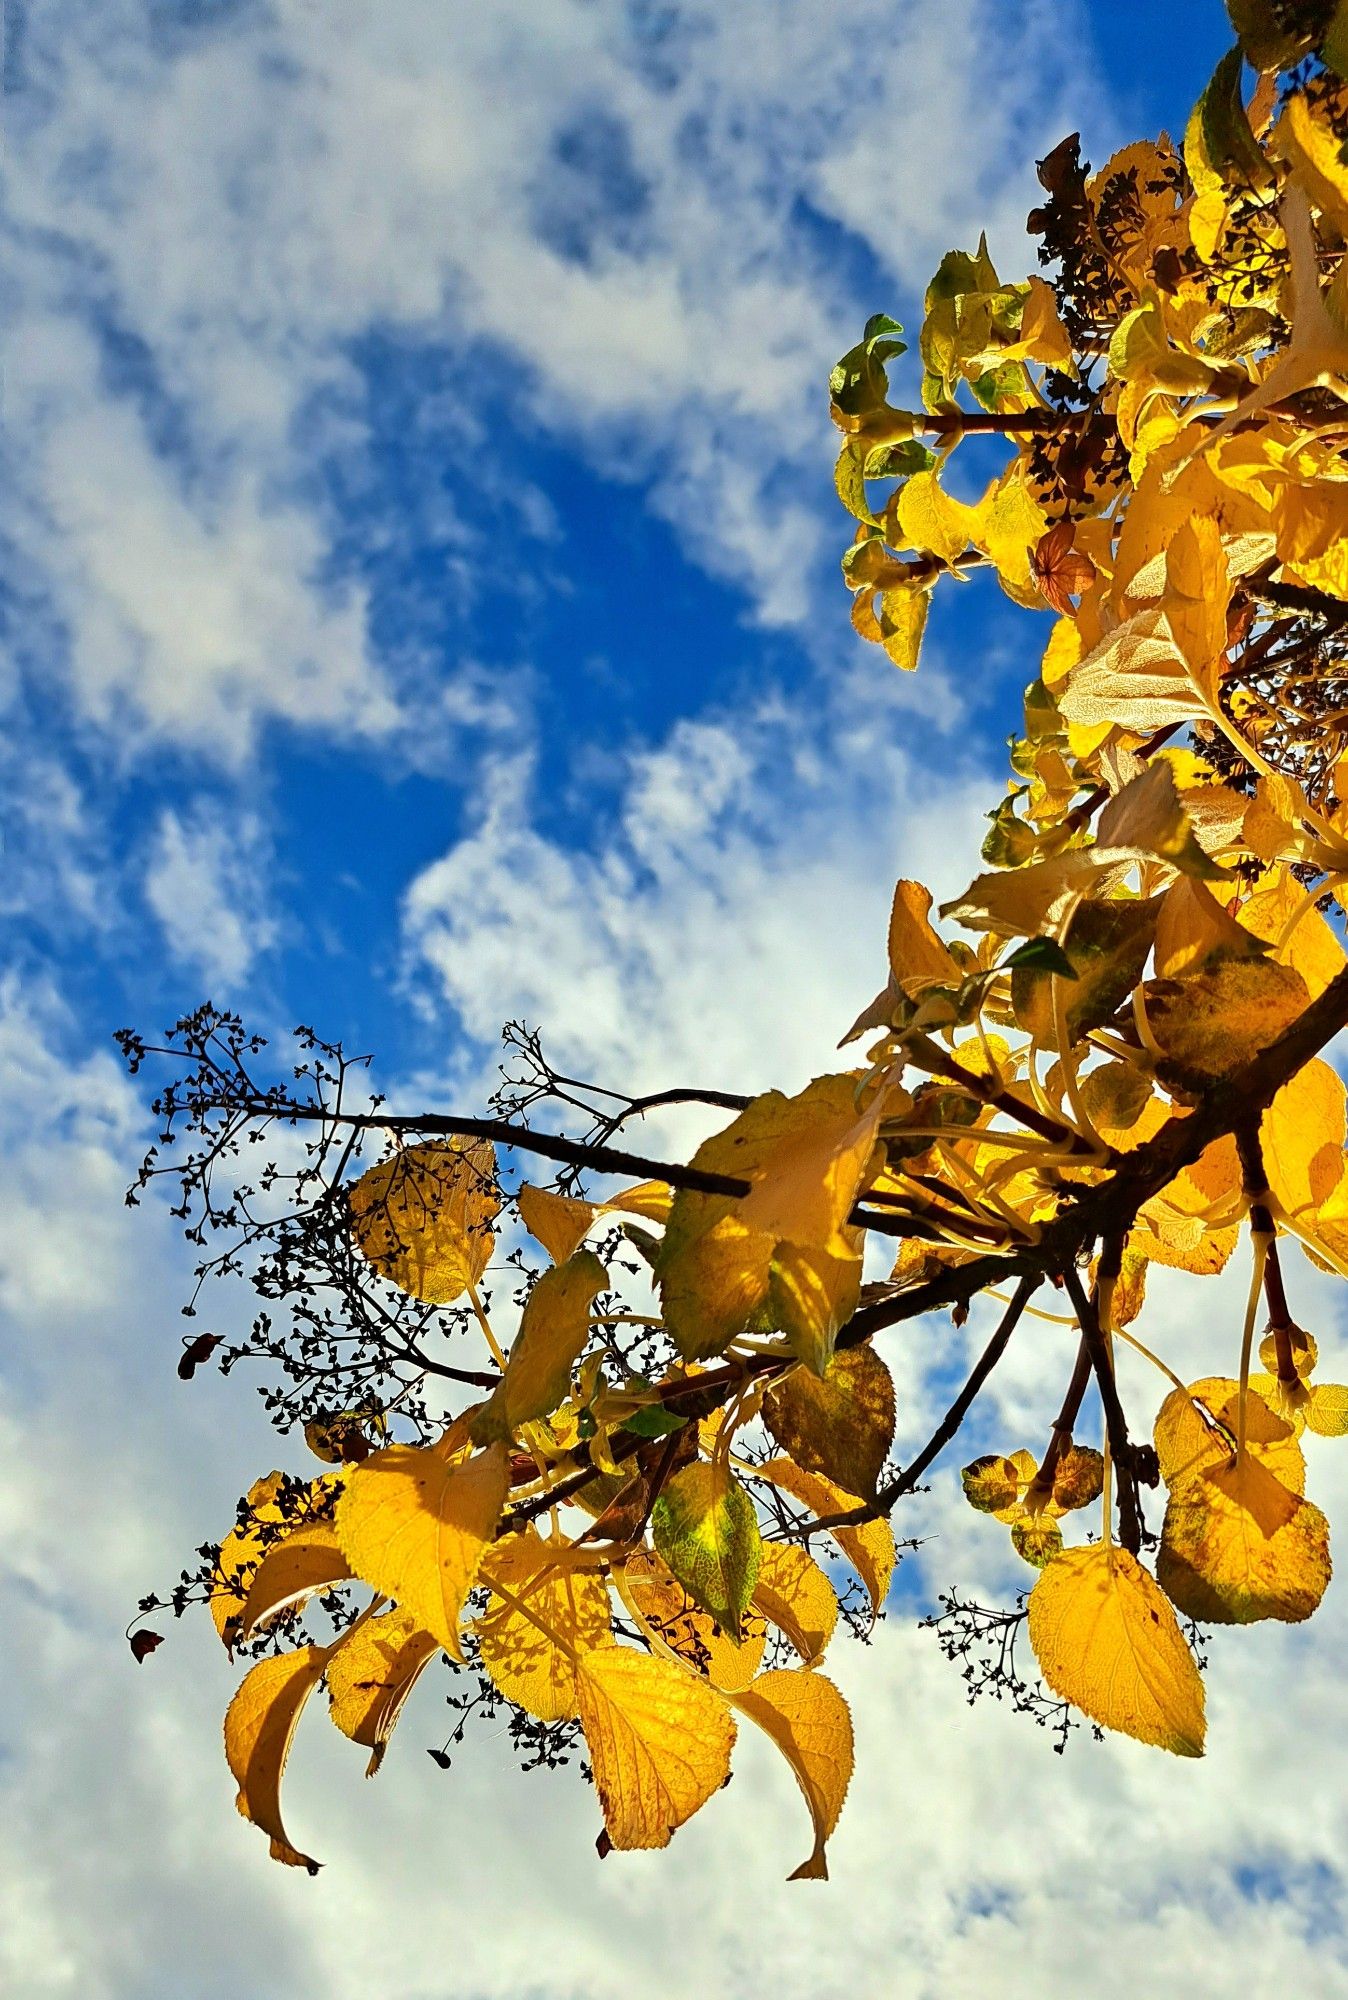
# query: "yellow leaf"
290, 1571
557, 1221
1135, 678
273, 1509
869, 1547
416, 1529
259, 1729
1078, 1477
554, 1328
918, 959
659, 1741
796, 1595
1314, 151
1301, 1136
371, 1675
1198, 591
1192, 927
806, 1159
530, 1639
1327, 1410
1212, 1021
811, 1725
1237, 1547
1313, 950
1189, 1444
812, 1293
424, 1218
1107, 1641
840, 1424
931, 520
902, 621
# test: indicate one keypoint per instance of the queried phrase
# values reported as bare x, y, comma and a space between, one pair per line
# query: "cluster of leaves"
1117, 1067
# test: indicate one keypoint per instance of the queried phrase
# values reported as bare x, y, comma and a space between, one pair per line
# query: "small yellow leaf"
554, 1327
869, 1547
811, 1725
1237, 1547
371, 1675
416, 1529
991, 1484
273, 1509
557, 1221
259, 1729
1189, 1443
424, 1218
659, 1741
1107, 1641
796, 1595
1078, 1478
918, 959
291, 1571
529, 1640
931, 520
1327, 1410
1192, 927
840, 1424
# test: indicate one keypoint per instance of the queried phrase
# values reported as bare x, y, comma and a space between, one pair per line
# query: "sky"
419, 572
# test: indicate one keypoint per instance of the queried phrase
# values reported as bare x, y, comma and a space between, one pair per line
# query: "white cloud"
205, 882
235, 203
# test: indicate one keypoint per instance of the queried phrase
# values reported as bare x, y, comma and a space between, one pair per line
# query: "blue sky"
422, 608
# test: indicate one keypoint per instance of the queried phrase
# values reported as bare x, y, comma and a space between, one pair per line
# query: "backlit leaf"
259, 1729
371, 1675
840, 1424
416, 1529
554, 1328
1106, 1640
424, 1218
705, 1526
659, 1741
869, 1547
811, 1725
529, 1640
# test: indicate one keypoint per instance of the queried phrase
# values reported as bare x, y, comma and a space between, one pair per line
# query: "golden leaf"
811, 1725
840, 1424
1237, 1547
869, 1546
273, 1510
805, 1159
690, 1632
659, 1741
424, 1218
557, 1221
371, 1675
260, 1726
289, 1572
992, 1484
1189, 1442
796, 1595
1301, 1136
1214, 1020
530, 1639
1106, 1640
554, 1327
416, 1529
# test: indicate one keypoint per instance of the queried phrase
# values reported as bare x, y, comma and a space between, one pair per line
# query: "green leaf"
1230, 145
655, 1421
705, 1527
840, 1424
849, 480
1042, 954
898, 461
